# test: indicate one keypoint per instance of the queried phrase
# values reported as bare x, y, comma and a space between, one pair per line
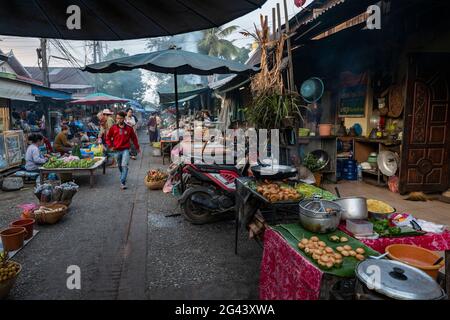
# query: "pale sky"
25, 48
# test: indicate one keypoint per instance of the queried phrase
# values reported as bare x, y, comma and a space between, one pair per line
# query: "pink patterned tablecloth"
285, 273
430, 241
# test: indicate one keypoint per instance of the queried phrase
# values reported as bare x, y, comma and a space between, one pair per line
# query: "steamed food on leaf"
324, 256
378, 206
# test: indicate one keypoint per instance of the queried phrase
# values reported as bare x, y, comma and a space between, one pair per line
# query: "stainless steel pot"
353, 208
319, 216
320, 225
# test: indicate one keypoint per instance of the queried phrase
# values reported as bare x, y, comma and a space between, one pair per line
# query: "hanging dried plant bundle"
271, 101
269, 80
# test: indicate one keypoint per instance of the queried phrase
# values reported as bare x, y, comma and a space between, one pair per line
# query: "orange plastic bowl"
415, 256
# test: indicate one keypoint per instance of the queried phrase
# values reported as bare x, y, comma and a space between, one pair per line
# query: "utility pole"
46, 80
45, 76
95, 47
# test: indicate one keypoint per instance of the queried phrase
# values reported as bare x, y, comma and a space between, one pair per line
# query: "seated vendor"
84, 139
62, 144
33, 157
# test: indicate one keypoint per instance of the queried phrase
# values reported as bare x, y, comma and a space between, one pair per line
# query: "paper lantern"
299, 3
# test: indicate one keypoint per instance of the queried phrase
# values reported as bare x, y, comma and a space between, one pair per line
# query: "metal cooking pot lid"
398, 280
387, 163
318, 208
274, 168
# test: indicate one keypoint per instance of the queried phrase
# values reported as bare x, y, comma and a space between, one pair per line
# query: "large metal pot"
387, 279
353, 208
319, 216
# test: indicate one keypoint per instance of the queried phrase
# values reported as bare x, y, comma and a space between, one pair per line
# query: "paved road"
127, 248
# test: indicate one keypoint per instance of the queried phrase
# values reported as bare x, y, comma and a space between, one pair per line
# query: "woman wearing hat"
106, 122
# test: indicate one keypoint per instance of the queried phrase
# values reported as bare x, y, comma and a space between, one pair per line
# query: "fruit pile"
155, 175
8, 269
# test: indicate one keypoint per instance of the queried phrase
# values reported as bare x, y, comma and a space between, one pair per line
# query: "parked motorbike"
208, 190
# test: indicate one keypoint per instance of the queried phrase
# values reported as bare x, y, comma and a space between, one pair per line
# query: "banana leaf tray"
294, 233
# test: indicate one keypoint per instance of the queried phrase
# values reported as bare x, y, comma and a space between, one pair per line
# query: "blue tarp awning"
135, 105
50, 93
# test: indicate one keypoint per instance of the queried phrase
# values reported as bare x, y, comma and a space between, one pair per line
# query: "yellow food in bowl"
378, 206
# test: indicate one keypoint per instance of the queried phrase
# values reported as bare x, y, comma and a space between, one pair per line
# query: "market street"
248, 151
127, 248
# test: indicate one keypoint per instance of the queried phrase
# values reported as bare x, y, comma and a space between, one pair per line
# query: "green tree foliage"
214, 43
124, 84
243, 54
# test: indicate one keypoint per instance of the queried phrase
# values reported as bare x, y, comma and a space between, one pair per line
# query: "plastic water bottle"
360, 177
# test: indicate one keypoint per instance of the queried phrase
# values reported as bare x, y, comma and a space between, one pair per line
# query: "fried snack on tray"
274, 192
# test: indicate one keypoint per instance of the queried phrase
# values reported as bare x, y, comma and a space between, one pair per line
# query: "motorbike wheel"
193, 212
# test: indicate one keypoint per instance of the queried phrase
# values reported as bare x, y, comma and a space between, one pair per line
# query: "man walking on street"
119, 139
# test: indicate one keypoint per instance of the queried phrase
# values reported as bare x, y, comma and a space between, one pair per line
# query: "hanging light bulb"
374, 121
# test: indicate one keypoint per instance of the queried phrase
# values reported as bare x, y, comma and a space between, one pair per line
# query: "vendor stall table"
249, 201
287, 275
100, 163
166, 147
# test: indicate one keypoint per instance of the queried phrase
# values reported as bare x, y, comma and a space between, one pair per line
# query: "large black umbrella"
117, 19
173, 61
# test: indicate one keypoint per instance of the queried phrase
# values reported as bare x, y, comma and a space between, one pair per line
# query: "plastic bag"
28, 206
68, 190
46, 195
38, 190
57, 193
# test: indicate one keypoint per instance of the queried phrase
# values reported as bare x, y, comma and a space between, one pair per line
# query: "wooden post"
290, 64
274, 24
279, 19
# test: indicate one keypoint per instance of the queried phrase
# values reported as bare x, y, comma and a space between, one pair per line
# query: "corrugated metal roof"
318, 12
313, 11
64, 75
217, 84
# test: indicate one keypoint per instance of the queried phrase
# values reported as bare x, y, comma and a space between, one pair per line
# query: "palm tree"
214, 43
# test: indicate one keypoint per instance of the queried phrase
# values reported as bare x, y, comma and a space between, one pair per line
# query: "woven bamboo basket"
67, 203
52, 217
7, 285
156, 185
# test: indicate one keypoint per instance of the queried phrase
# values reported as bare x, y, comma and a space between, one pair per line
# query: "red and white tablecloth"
430, 241
287, 275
